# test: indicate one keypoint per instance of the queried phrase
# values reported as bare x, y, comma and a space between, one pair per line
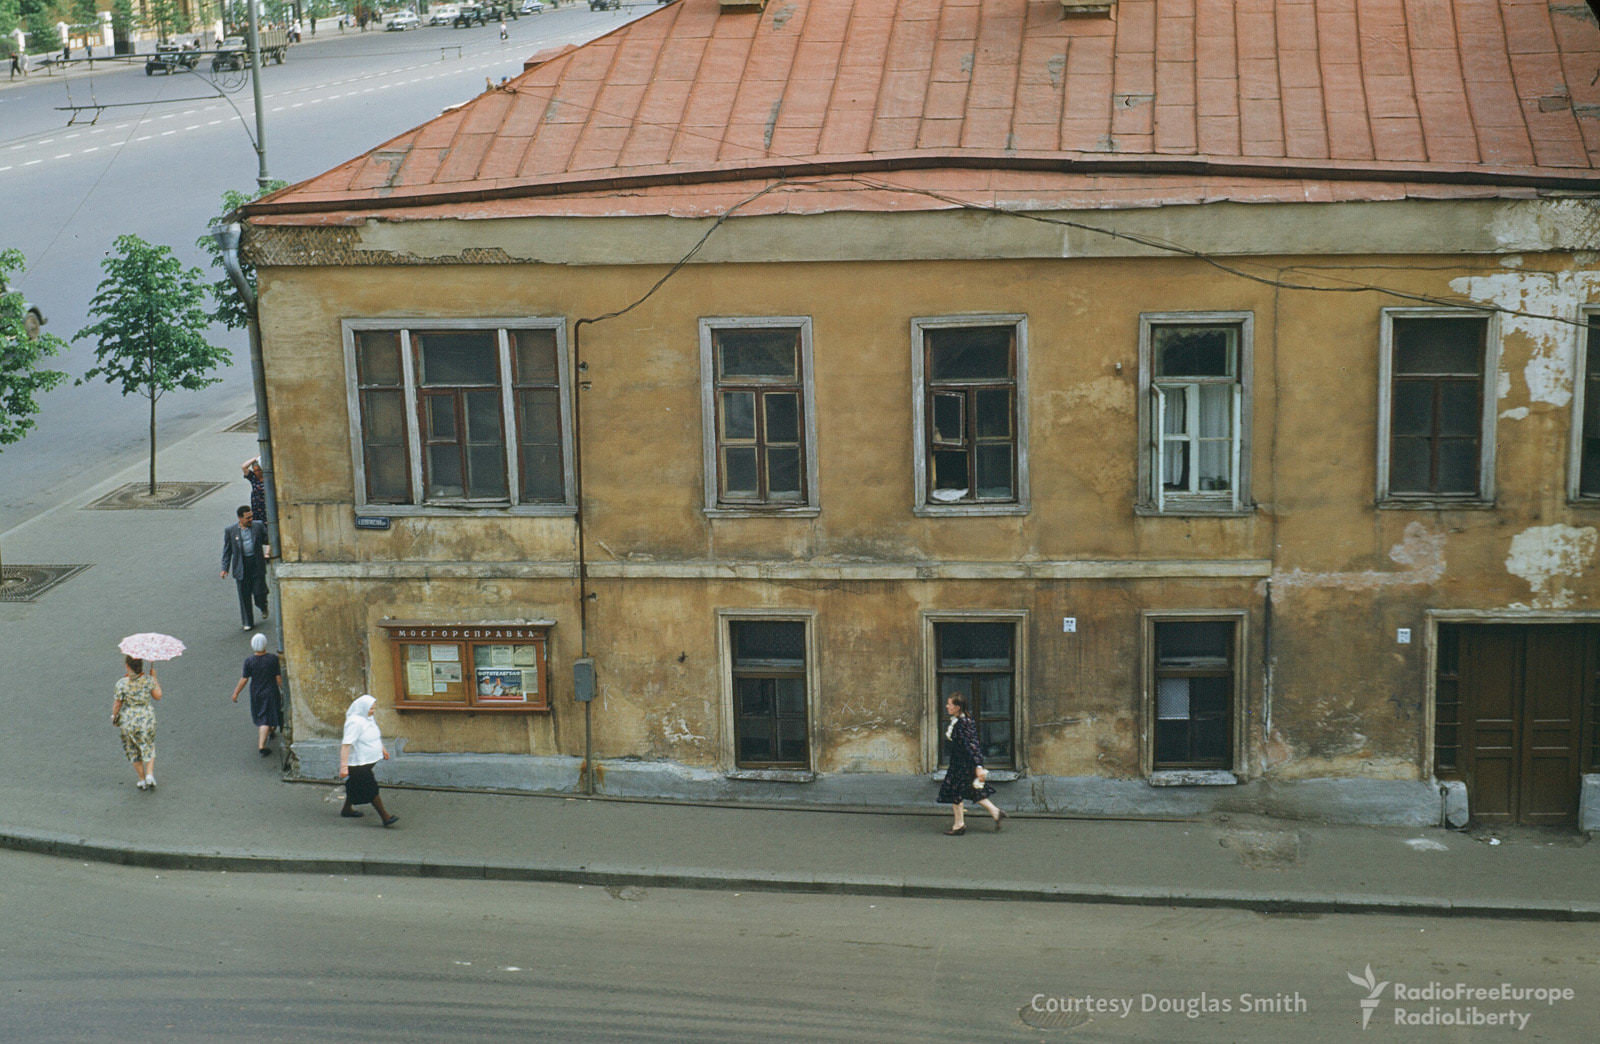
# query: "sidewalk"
65, 788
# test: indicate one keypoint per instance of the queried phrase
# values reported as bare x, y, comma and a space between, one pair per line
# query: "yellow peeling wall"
1345, 699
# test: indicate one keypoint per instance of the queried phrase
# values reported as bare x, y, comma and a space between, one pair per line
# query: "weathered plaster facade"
1318, 575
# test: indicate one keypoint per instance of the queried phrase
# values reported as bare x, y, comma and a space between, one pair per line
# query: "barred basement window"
1194, 693
769, 694
977, 661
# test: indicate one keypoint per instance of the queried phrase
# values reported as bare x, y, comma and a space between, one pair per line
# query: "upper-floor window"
1436, 417
971, 415
760, 437
1194, 372
460, 414
1586, 417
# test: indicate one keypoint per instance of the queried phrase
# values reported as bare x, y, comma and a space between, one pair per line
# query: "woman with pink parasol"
133, 710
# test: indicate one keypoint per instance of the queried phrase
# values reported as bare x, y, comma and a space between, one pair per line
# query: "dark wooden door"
1522, 699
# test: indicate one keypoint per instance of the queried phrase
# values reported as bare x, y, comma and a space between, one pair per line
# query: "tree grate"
25, 583
169, 495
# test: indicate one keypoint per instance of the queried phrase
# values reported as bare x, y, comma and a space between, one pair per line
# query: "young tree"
85, 12
152, 327
23, 348
231, 311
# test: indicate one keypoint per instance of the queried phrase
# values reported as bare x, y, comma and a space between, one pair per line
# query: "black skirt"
361, 787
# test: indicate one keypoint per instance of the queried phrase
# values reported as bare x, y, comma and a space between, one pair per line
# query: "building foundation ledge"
1329, 800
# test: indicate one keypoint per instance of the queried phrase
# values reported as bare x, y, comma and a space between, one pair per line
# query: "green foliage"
10, 18
85, 12
167, 16
151, 329
123, 18
41, 29
231, 310
21, 375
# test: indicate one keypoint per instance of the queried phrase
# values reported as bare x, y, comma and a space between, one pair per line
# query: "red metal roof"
1170, 100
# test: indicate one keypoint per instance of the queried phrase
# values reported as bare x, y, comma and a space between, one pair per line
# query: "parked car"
442, 14
170, 61
532, 7
605, 5
402, 20
469, 15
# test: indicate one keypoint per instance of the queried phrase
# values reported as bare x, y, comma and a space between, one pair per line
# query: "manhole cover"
248, 424
1048, 1013
136, 496
26, 582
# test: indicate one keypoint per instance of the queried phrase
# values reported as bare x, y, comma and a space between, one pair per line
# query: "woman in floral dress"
134, 711
965, 778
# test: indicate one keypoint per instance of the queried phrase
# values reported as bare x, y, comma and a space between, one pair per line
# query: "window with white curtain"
1194, 372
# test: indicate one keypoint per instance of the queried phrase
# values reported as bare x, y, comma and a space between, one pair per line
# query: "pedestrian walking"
244, 557
360, 750
264, 674
258, 488
966, 778
16, 66
503, 33
133, 711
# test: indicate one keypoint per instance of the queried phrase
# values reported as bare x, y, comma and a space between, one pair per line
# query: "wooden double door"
1525, 700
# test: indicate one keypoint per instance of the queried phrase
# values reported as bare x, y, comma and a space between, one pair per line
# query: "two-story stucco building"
1203, 389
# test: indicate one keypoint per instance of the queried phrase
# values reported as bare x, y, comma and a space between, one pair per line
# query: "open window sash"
1159, 447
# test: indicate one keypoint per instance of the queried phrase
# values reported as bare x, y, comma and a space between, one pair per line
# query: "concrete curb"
352, 864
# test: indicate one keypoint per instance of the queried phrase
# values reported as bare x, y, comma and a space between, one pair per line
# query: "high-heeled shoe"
955, 831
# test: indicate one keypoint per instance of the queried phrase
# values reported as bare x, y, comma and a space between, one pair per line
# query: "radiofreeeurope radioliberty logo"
1457, 1003
1374, 988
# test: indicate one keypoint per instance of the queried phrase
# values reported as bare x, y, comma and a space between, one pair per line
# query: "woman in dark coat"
264, 674
966, 777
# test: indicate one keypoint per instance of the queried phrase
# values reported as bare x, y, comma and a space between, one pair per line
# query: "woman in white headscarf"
264, 674
361, 749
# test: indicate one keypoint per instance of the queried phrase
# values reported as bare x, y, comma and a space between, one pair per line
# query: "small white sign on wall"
1402, 636
1069, 625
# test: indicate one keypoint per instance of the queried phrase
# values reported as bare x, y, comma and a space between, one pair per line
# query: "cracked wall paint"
1420, 551
1547, 556
1551, 342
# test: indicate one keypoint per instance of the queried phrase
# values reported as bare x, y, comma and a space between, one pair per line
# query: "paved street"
91, 950
156, 164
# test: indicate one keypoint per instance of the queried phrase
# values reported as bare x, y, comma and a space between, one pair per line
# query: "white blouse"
366, 742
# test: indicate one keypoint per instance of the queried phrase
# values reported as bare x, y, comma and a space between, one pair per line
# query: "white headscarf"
361, 732
259, 643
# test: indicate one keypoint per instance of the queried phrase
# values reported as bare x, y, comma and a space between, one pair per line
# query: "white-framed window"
1194, 411
980, 655
1436, 407
769, 672
460, 414
1194, 691
758, 421
1584, 482
970, 417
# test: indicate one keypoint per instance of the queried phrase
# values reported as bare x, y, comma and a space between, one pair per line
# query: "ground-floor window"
977, 660
768, 666
470, 667
1194, 668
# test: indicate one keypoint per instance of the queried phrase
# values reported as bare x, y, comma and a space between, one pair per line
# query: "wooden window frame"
728, 739
1586, 357
1152, 497
934, 722
466, 638
1484, 495
508, 386
715, 506
924, 390
1150, 674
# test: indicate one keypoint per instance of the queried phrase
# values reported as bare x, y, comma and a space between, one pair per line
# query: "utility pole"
262, 179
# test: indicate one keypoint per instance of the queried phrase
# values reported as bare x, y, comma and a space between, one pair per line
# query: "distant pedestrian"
313, 25
503, 33
264, 674
16, 65
133, 711
244, 557
966, 778
66, 52
361, 749
258, 488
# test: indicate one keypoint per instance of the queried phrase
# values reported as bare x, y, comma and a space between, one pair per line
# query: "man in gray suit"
244, 556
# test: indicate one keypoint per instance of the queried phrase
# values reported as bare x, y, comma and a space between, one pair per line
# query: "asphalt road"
156, 163
92, 951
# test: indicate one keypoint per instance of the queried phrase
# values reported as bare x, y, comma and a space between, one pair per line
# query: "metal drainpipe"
227, 239
579, 367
